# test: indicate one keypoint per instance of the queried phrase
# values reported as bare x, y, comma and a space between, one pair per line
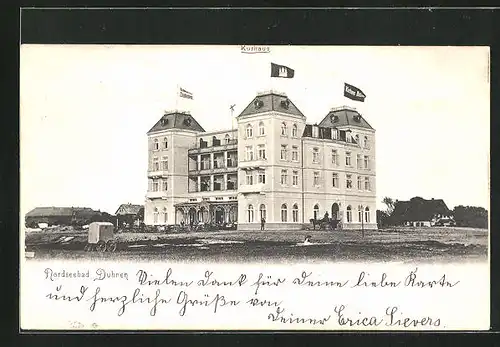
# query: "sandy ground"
442, 244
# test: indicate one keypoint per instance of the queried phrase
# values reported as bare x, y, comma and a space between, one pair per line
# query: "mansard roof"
176, 120
271, 101
344, 116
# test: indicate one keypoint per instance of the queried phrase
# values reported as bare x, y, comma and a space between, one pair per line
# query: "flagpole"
177, 98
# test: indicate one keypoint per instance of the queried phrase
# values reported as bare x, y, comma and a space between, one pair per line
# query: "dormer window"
164, 121
187, 121
249, 131
315, 131
357, 118
283, 129
335, 118
285, 104
335, 134
258, 103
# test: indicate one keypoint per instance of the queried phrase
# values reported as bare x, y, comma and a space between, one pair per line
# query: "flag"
353, 93
183, 93
281, 71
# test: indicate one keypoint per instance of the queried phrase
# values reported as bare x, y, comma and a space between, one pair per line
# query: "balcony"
225, 146
214, 169
156, 195
251, 188
157, 173
253, 164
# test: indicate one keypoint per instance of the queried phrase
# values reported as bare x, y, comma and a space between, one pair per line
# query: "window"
284, 176
360, 187
316, 211
316, 178
165, 215
165, 185
295, 153
262, 177
359, 161
155, 216
315, 155
360, 214
249, 153
357, 139
156, 145
367, 183
262, 129
164, 163
250, 213
315, 131
335, 157
367, 215
335, 134
262, 210
295, 213
349, 214
367, 144
348, 181
348, 158
294, 130
227, 139
367, 162
156, 185
156, 164
283, 213
335, 180
283, 155
295, 178
249, 131
249, 177
165, 143
262, 151
283, 129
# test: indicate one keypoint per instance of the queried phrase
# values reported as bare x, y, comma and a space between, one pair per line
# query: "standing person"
262, 223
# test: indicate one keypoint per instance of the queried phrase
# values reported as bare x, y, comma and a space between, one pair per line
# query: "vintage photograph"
254, 187
254, 153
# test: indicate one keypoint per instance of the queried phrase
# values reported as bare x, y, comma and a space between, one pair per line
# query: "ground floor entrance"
206, 212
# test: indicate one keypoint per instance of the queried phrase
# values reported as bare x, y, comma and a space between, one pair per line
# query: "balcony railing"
223, 146
156, 195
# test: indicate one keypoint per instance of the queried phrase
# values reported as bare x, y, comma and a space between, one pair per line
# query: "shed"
100, 231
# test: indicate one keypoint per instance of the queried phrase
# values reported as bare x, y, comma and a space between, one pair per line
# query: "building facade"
274, 165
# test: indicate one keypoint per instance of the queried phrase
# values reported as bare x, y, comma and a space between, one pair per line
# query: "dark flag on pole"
281, 71
353, 93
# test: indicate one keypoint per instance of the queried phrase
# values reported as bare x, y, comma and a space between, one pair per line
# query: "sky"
85, 111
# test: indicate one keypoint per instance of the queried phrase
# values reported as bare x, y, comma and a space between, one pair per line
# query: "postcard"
329, 188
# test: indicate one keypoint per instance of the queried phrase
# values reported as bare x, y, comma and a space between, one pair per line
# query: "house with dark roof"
129, 214
61, 216
421, 212
274, 166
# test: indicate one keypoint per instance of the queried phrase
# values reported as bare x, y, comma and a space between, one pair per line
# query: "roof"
418, 209
271, 101
176, 120
344, 116
60, 211
128, 209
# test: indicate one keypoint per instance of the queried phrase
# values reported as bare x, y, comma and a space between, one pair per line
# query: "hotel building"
274, 165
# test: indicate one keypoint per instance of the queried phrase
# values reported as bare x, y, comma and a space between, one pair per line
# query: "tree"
390, 205
470, 216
